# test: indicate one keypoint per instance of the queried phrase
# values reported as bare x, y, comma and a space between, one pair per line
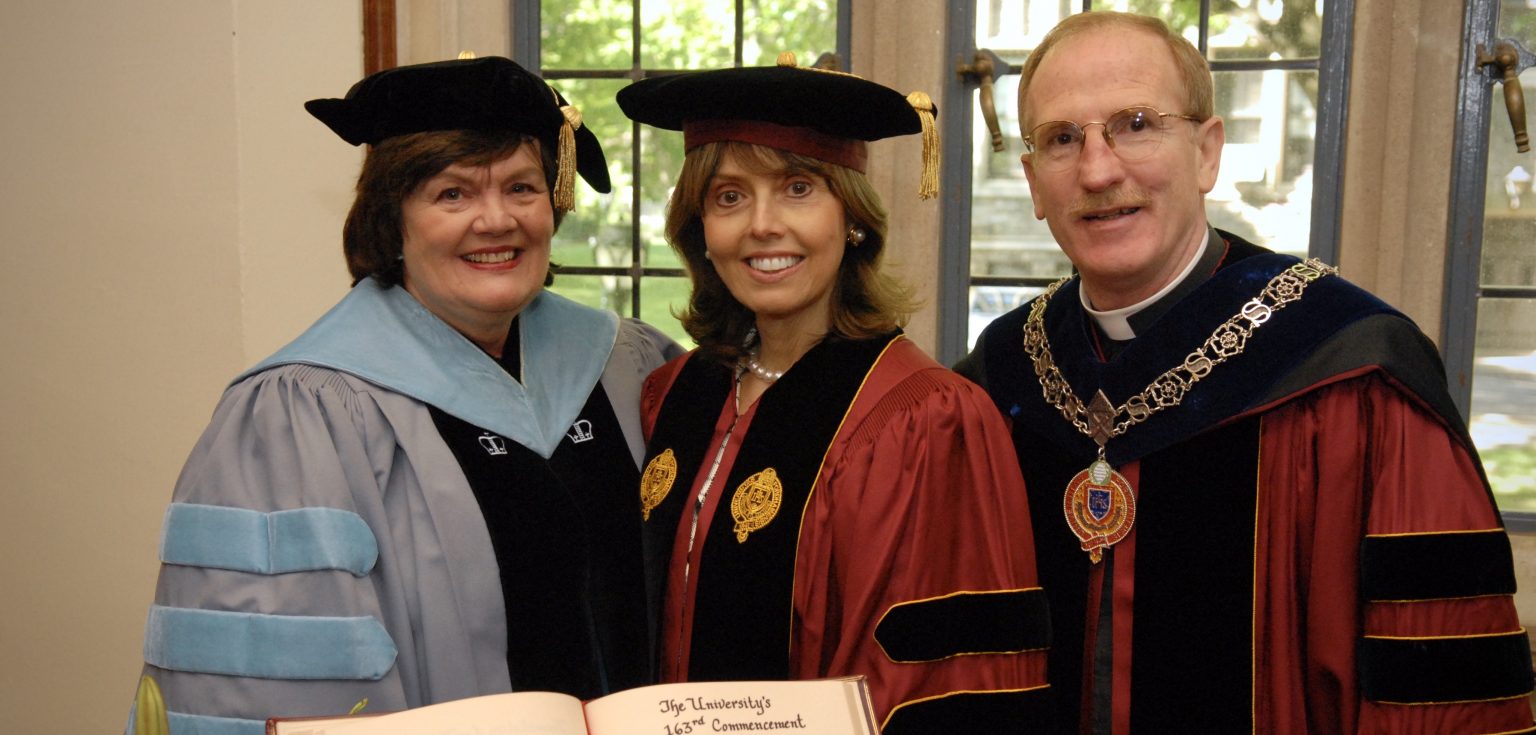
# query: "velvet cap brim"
489, 94
832, 103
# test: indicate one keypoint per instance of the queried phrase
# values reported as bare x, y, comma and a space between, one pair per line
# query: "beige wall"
170, 214
897, 43
433, 30
1398, 150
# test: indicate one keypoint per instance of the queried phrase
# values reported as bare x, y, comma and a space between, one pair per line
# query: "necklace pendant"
1099, 507
1101, 418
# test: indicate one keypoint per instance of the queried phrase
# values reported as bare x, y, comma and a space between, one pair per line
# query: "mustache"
1118, 198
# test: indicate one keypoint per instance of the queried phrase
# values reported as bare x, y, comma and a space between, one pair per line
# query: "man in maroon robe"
1273, 519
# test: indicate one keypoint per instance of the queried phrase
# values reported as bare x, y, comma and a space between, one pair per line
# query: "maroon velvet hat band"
847, 152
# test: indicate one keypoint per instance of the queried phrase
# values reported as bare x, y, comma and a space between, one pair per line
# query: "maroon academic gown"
1315, 548
901, 554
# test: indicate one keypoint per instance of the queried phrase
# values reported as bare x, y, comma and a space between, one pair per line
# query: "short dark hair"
1194, 71
865, 301
374, 235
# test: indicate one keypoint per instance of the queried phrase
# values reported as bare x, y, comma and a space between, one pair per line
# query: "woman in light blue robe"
429, 494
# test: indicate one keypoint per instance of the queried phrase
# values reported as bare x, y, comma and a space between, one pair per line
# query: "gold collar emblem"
1099, 503
657, 481
756, 502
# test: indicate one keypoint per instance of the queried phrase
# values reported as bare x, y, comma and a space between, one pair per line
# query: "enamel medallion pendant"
1099, 507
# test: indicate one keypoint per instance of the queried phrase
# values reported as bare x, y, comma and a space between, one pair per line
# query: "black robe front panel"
576, 612
743, 601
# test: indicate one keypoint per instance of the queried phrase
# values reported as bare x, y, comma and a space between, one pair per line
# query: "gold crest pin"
756, 502
657, 481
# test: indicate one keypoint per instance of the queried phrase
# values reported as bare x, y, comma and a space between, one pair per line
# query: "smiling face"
1128, 227
776, 239
476, 243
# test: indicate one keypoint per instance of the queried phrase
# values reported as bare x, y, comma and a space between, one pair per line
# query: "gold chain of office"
1102, 422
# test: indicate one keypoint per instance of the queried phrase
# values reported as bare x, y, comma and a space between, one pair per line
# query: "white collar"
1116, 322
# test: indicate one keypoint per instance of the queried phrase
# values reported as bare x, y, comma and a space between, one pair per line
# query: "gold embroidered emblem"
756, 502
657, 481
1100, 508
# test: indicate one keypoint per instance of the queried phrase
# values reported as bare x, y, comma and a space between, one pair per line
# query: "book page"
813, 707
517, 713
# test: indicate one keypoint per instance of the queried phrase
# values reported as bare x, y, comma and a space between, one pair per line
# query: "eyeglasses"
1133, 133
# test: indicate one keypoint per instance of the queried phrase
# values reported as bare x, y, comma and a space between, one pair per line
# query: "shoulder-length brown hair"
374, 234
865, 301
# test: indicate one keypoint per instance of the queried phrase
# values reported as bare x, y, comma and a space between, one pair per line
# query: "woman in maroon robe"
820, 497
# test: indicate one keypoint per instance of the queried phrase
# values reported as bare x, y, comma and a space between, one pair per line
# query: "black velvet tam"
834, 103
488, 94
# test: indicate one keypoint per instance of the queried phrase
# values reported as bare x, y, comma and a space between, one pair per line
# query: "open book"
809, 707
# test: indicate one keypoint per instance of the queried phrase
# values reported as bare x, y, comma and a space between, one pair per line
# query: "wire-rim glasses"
1133, 133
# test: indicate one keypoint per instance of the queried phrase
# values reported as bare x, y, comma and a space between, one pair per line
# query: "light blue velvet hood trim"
386, 337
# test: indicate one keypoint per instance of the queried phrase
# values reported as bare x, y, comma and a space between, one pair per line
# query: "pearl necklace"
762, 373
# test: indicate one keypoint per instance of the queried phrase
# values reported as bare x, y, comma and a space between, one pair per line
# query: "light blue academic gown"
323, 545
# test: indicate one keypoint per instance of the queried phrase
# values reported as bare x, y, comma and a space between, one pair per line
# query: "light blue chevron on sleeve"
185, 724
267, 646
299, 540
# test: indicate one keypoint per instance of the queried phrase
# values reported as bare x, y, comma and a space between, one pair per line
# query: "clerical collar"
1121, 324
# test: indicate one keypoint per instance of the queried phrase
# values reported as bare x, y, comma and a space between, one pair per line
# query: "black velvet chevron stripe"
1426, 671
1436, 566
989, 712
969, 622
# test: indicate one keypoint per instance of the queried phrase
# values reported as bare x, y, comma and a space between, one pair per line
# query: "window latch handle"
985, 68
1507, 60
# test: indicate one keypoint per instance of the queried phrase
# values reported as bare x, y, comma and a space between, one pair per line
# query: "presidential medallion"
1098, 503
756, 502
1100, 508
657, 481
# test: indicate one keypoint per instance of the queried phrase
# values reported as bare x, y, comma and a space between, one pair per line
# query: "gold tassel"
149, 715
565, 177
929, 188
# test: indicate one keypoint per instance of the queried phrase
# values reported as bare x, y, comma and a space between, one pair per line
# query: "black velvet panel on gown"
566, 534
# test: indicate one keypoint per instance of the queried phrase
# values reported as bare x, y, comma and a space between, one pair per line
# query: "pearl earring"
855, 236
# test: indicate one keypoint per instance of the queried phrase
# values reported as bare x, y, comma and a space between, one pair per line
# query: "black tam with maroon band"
826, 115
1284, 508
